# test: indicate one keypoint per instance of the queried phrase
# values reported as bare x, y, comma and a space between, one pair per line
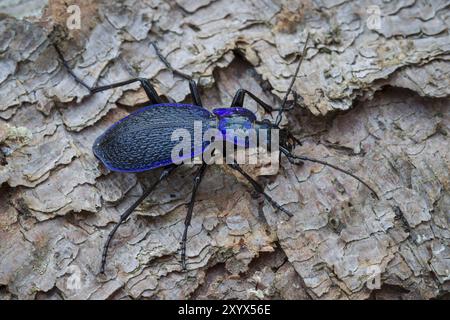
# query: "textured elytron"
142, 141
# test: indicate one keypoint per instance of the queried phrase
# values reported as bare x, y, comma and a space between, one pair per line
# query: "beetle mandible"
142, 140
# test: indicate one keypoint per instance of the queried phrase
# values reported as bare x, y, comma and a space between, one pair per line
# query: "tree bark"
374, 87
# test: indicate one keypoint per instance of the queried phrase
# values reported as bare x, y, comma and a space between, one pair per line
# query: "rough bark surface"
374, 101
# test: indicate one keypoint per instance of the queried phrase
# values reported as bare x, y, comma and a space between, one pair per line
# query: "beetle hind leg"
187, 222
193, 88
167, 63
148, 88
129, 211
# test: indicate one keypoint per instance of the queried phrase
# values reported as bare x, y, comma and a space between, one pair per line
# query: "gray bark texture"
374, 86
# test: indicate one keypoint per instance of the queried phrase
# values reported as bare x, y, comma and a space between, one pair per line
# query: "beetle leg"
130, 210
187, 222
195, 93
66, 65
167, 63
238, 100
192, 84
148, 88
198, 178
259, 189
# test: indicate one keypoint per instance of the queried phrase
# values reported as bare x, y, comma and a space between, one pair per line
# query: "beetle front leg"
187, 222
238, 100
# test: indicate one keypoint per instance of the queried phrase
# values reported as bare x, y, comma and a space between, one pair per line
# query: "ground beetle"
141, 141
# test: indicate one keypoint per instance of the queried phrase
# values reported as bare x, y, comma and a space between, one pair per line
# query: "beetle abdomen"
142, 140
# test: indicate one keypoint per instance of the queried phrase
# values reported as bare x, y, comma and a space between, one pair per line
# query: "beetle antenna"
292, 159
283, 104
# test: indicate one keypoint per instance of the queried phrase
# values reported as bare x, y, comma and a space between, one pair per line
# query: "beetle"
142, 140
